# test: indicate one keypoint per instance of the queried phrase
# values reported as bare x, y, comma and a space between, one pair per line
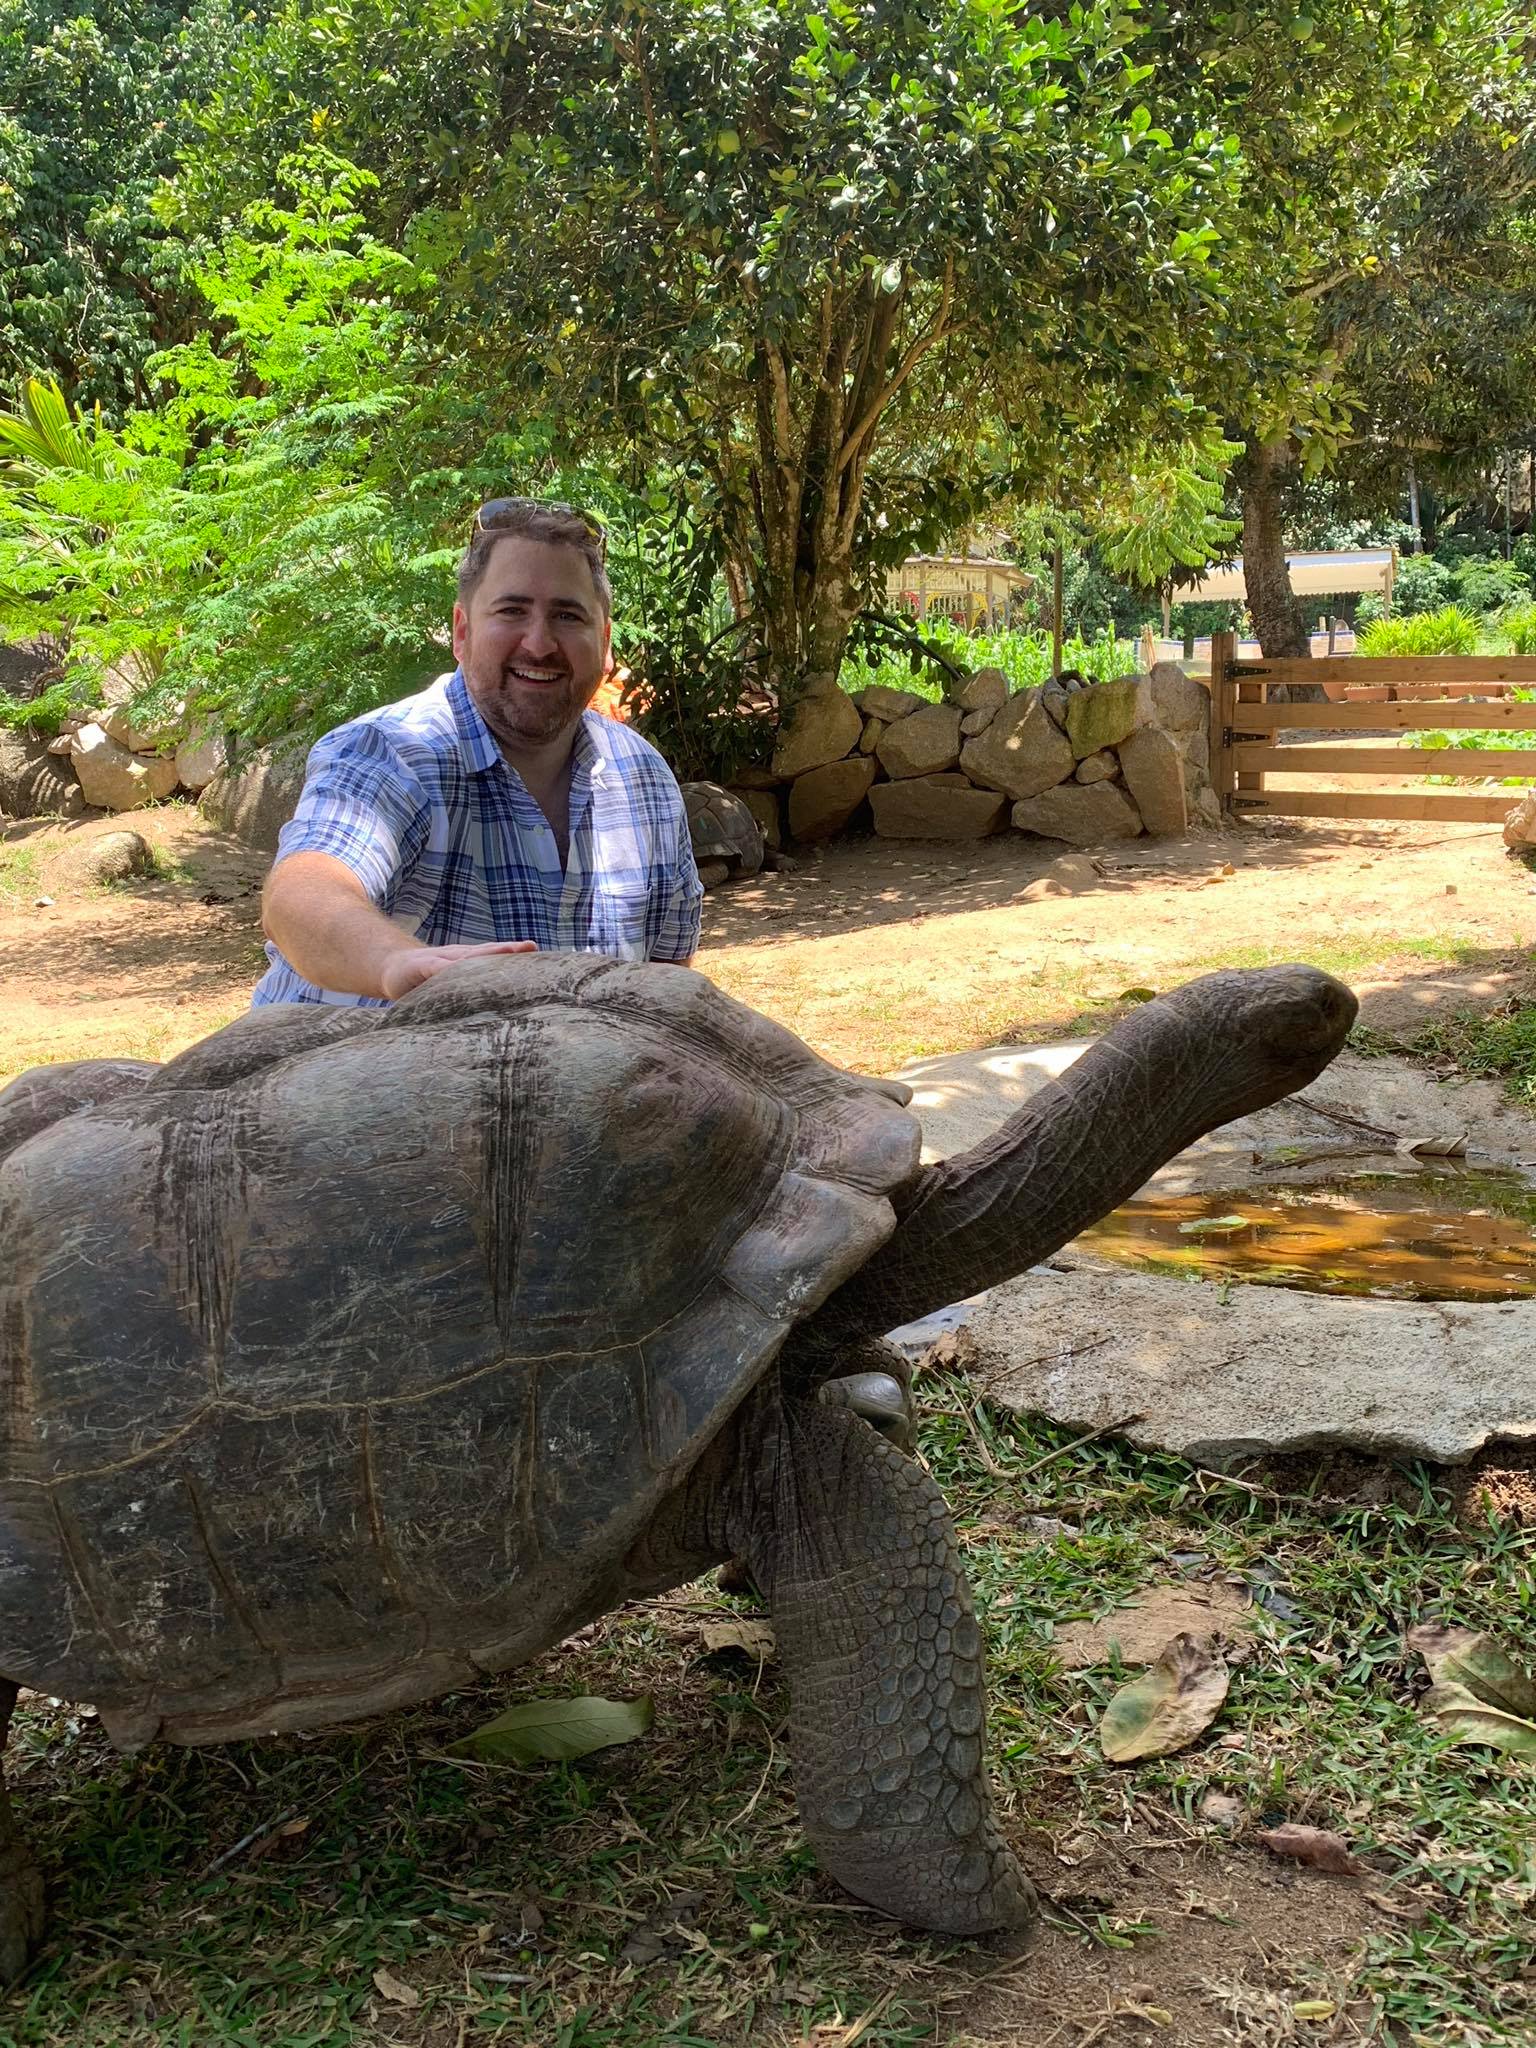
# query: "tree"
93, 98
1344, 112
780, 249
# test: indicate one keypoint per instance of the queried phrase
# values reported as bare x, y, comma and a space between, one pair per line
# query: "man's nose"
537, 642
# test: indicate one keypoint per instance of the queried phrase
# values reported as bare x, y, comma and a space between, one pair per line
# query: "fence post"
1223, 703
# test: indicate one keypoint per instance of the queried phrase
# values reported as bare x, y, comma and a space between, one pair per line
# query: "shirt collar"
482, 752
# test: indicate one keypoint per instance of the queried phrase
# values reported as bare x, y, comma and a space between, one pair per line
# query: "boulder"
764, 806
142, 736
110, 857
925, 743
1055, 696
936, 807
1021, 752
1083, 817
819, 728
256, 795
977, 721
987, 690
1205, 804
1520, 823
199, 758
881, 701
874, 731
1104, 714
753, 777
113, 777
1074, 874
1177, 702
32, 783
1096, 767
1153, 769
822, 800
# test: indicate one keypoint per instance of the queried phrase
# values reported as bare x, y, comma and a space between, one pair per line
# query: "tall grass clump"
1447, 631
1520, 625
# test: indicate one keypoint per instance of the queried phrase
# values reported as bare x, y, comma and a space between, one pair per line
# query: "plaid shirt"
417, 800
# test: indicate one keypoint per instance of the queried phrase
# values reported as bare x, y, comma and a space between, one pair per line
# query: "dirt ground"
876, 952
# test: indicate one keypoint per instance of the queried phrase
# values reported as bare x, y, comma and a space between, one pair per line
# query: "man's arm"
318, 914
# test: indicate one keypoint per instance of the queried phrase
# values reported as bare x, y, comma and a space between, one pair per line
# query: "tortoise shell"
722, 828
346, 1356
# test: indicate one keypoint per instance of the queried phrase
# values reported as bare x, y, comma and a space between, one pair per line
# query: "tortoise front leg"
852, 1544
21, 1882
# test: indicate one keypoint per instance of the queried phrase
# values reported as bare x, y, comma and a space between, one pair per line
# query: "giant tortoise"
356, 1353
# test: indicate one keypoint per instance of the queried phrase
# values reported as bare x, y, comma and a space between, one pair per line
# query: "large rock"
1098, 767
143, 735
200, 757
116, 779
1104, 714
1177, 702
1520, 823
33, 784
926, 743
1219, 1375
874, 731
821, 727
987, 690
94, 862
881, 701
937, 807
1153, 769
977, 721
1022, 751
1083, 817
822, 800
256, 795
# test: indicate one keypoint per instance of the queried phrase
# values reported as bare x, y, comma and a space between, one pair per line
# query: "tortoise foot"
21, 1911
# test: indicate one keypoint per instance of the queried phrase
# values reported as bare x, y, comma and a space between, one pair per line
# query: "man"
492, 813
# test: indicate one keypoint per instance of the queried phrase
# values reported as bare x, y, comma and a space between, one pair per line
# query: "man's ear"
460, 631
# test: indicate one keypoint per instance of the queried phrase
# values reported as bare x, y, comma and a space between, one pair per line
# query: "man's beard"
520, 714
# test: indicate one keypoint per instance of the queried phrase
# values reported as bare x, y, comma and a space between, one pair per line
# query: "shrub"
1446, 631
1483, 586
1520, 625
1421, 585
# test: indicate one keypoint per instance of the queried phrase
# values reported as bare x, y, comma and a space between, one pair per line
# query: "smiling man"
493, 813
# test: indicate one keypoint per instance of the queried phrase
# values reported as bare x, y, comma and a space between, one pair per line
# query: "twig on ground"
1104, 1429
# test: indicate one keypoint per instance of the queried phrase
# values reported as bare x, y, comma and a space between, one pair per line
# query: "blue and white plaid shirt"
417, 800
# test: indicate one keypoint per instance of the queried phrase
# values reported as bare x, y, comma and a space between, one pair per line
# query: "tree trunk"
1277, 617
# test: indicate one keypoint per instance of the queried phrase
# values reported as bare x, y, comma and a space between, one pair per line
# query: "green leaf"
1169, 1705
556, 1730
1467, 1719
1213, 1226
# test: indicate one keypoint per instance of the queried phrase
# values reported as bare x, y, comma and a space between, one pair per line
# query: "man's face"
533, 644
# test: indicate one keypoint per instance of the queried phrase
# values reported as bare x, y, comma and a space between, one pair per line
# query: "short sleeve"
363, 806
680, 899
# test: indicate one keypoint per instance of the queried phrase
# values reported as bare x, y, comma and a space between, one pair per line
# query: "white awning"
1329, 574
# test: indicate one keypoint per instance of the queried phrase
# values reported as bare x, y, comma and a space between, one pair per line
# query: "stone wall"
1084, 762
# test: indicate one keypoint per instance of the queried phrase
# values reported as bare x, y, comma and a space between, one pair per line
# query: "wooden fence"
1441, 693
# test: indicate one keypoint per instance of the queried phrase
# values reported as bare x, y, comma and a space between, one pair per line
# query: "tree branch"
909, 362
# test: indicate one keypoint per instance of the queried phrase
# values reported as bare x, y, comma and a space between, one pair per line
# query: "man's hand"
408, 969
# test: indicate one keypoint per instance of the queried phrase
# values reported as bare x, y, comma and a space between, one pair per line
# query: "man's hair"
529, 519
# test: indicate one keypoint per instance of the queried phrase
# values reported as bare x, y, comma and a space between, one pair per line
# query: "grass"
19, 863
1025, 658
516, 1906
1502, 1046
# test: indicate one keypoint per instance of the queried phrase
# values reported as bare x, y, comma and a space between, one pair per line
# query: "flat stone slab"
1219, 1373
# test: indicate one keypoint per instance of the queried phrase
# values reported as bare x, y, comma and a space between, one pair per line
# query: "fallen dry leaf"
753, 1638
1465, 1657
389, 1986
1318, 1847
1165, 1709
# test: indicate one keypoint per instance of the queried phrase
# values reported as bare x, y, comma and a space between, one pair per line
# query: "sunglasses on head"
506, 511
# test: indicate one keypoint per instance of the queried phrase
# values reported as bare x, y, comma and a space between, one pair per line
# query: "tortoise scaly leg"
21, 1882
852, 1543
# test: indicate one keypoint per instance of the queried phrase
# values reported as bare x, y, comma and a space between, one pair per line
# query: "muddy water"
1446, 1236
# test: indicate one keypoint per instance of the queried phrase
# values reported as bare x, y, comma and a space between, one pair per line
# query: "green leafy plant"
1446, 631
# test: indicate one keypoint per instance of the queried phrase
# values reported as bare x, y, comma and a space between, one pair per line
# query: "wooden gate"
1444, 693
